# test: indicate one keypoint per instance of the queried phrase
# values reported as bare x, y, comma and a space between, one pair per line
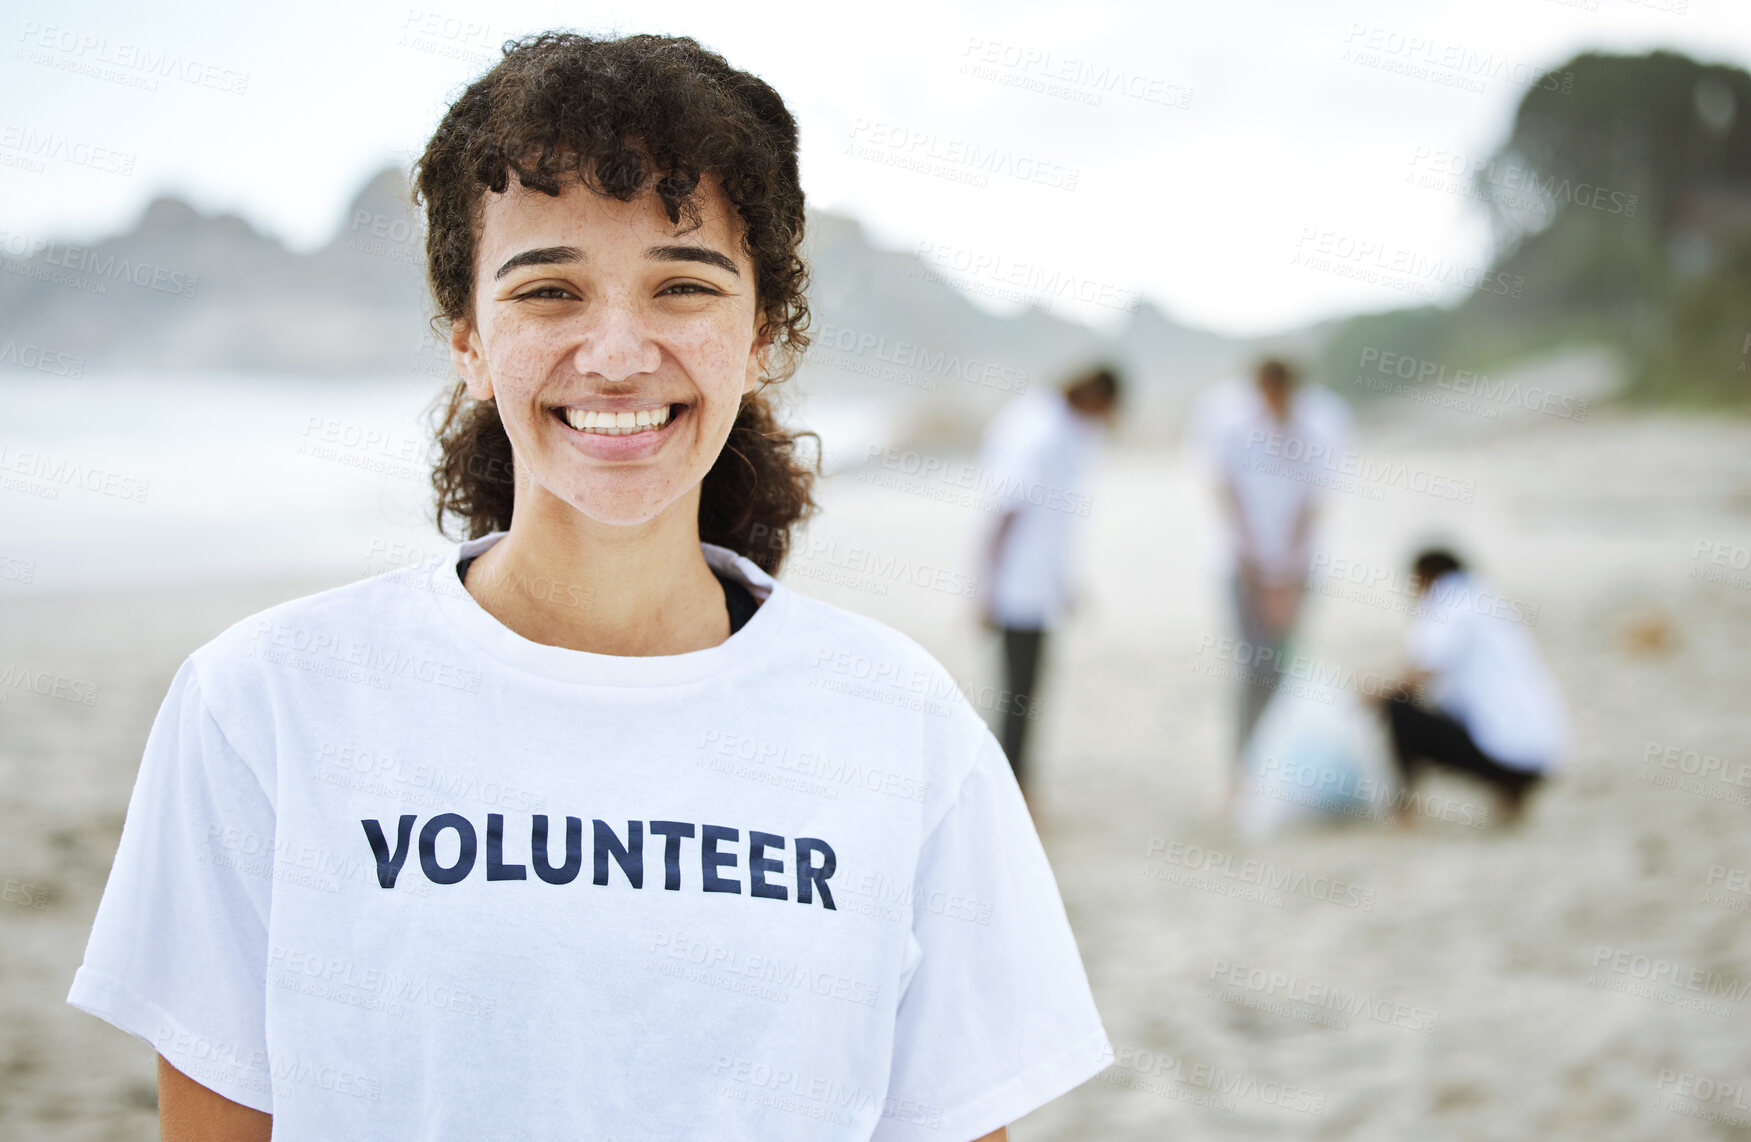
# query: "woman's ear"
470, 359
759, 358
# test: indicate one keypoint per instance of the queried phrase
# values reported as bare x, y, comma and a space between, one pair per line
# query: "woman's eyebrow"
544, 256
692, 254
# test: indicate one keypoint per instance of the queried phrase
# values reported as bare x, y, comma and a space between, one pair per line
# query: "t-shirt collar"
499, 642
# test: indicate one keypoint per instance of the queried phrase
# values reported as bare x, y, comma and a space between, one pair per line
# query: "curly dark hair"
623, 116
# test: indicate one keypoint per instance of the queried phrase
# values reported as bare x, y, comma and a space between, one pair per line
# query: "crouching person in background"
1495, 710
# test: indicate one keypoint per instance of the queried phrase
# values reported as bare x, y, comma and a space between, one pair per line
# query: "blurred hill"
1621, 208
190, 292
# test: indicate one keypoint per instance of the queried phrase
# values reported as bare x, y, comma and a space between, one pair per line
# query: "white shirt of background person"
1270, 471
1034, 457
1486, 673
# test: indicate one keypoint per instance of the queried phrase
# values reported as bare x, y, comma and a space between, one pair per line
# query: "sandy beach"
1584, 975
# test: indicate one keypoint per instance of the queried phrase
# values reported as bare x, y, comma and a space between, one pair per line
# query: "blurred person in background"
1496, 713
1036, 453
1272, 444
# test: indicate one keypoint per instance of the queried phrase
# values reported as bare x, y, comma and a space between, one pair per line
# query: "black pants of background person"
1422, 736
1021, 671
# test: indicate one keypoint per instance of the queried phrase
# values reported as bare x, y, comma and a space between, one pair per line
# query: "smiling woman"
613, 237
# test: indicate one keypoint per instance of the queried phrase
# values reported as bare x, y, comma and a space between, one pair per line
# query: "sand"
1445, 983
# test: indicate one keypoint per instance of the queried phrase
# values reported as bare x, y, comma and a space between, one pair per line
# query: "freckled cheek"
717, 360
518, 367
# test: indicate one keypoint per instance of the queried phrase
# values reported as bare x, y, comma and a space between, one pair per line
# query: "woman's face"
617, 344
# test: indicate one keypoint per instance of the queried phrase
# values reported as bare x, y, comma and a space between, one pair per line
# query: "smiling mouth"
608, 423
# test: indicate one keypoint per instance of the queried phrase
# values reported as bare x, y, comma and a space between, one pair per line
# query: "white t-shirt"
1036, 453
1487, 674
1275, 468
391, 870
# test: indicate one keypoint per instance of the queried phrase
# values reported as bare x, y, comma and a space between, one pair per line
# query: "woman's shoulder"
345, 632
376, 602
854, 654
851, 632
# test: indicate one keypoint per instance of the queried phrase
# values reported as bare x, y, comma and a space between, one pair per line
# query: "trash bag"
1317, 754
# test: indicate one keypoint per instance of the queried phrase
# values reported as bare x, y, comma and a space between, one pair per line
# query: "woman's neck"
563, 579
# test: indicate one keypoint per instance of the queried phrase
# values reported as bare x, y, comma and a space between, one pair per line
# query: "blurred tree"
1622, 198
1629, 178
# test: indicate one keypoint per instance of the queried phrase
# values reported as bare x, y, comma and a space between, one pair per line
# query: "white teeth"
617, 423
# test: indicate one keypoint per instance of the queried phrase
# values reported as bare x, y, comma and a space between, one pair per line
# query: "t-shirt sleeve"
997, 1018
178, 951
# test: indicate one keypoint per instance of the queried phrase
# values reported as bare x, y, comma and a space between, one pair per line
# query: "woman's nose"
616, 346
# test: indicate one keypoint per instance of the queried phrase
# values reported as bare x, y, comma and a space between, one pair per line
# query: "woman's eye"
545, 293
686, 288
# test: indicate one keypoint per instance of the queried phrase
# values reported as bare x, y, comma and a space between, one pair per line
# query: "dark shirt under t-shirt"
737, 598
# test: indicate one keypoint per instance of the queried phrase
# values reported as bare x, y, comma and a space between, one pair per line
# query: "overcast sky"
1243, 131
